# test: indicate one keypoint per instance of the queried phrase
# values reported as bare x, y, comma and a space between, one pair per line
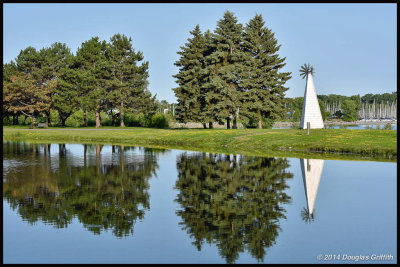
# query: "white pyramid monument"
311, 170
311, 111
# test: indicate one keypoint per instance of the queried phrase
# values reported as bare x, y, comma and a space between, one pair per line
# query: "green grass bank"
345, 144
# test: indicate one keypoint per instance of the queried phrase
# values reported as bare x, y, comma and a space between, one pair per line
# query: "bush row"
76, 120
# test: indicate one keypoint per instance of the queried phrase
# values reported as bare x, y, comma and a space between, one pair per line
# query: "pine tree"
92, 60
10, 71
24, 90
66, 97
191, 101
53, 60
209, 113
223, 93
127, 81
260, 78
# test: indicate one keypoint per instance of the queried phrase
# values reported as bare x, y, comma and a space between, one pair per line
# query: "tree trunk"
259, 124
48, 114
228, 124
204, 126
15, 120
234, 125
44, 118
122, 119
210, 125
84, 118
8, 119
98, 119
121, 114
112, 119
33, 120
61, 120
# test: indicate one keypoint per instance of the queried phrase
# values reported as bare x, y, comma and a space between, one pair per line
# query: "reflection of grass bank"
333, 143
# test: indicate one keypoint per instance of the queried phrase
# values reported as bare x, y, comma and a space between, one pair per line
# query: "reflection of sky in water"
355, 214
355, 127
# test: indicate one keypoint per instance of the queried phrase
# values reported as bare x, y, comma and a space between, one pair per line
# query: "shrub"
137, 120
159, 121
253, 123
350, 110
75, 120
388, 126
107, 121
267, 123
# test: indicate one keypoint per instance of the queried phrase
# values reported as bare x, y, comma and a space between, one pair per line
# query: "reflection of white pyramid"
311, 111
311, 170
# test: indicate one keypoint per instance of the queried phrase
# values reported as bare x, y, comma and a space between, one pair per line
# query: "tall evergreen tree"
260, 78
223, 92
128, 81
191, 102
92, 61
66, 97
24, 90
53, 60
209, 113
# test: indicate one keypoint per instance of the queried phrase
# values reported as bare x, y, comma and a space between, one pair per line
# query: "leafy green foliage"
127, 81
349, 110
190, 96
159, 121
101, 77
232, 73
56, 93
325, 114
261, 81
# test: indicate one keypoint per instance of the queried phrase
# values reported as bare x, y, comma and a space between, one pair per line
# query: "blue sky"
353, 47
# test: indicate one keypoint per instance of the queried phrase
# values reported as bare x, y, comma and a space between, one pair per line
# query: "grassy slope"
380, 145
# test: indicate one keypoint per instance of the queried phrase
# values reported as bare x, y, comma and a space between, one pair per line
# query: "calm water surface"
77, 203
393, 126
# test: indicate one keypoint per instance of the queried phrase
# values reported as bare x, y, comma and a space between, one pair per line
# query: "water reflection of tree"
102, 195
234, 202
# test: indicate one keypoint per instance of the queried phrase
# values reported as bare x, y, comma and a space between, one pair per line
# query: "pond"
354, 127
75, 203
393, 126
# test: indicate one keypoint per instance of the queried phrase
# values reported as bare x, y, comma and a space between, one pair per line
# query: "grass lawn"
346, 144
